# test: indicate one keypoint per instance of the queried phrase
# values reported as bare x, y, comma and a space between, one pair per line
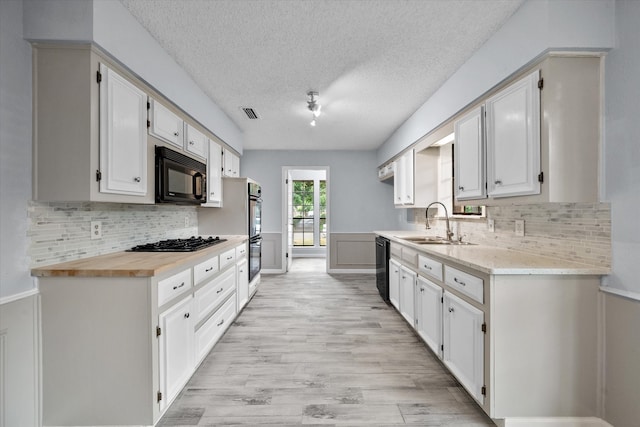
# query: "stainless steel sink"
431, 240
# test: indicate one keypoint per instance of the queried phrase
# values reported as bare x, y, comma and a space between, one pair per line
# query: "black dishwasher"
382, 267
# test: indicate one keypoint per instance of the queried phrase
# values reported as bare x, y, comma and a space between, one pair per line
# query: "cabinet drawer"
466, 283
430, 267
209, 297
211, 331
173, 286
205, 269
227, 258
241, 250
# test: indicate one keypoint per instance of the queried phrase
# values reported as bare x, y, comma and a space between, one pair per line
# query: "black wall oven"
179, 178
255, 229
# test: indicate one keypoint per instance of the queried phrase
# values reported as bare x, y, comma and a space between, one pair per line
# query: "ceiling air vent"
250, 112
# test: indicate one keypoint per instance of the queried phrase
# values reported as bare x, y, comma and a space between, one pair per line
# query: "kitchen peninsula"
518, 330
141, 319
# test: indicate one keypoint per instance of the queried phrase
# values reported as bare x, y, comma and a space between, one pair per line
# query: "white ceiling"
374, 62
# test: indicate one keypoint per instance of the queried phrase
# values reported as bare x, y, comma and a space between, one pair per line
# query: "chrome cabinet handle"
208, 270
221, 322
461, 188
191, 143
137, 179
428, 267
176, 134
221, 289
460, 282
451, 310
186, 315
497, 182
179, 286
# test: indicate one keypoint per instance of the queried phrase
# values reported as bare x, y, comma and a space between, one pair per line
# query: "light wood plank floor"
319, 349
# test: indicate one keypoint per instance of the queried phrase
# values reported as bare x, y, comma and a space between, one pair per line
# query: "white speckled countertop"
493, 260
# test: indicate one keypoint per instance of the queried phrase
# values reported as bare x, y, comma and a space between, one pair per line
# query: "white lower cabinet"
210, 331
175, 349
463, 341
243, 283
394, 283
429, 313
407, 285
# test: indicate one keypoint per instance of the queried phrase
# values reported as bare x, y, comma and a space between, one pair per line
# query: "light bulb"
316, 110
313, 122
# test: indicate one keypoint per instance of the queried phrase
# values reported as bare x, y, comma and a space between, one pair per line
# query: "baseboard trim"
271, 271
554, 422
352, 271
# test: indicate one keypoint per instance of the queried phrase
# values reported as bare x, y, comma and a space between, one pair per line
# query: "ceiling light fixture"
313, 106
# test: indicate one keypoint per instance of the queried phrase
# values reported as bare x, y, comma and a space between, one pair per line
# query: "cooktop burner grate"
178, 245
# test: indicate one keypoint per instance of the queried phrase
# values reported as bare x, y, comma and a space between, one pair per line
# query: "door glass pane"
302, 213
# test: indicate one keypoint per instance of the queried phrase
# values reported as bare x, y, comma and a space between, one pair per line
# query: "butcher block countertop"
133, 264
494, 260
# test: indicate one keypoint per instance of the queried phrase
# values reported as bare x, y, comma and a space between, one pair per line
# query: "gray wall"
358, 202
15, 150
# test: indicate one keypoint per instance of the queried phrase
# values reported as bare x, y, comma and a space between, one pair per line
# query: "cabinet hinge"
541, 177
148, 123
540, 83
158, 331
442, 300
98, 175
287, 255
483, 390
442, 347
484, 328
159, 396
148, 105
98, 76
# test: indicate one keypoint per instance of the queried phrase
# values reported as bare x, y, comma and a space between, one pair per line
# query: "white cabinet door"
196, 142
214, 176
123, 135
403, 182
176, 349
407, 290
231, 164
166, 125
394, 283
513, 139
469, 156
464, 343
243, 284
429, 313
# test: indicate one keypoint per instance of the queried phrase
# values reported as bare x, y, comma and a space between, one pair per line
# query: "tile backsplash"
578, 232
60, 232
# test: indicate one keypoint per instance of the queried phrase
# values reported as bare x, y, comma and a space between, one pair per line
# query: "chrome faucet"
449, 232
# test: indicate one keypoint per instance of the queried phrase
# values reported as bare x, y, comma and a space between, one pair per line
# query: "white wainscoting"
20, 361
272, 253
352, 253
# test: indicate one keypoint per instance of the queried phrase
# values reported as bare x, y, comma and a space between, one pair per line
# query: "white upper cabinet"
231, 164
196, 142
166, 125
469, 156
403, 179
214, 175
513, 139
123, 141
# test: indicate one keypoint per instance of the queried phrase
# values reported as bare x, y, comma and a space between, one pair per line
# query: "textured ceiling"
374, 62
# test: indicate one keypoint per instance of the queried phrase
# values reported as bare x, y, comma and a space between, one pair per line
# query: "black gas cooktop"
178, 245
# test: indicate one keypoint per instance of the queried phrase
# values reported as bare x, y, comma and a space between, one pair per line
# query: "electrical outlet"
96, 230
520, 227
186, 221
491, 225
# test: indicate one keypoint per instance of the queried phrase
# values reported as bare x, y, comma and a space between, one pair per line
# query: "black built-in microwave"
179, 179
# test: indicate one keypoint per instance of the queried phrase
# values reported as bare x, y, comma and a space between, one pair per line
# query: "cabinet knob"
191, 143
176, 134
137, 179
461, 188
497, 182
186, 315
451, 310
